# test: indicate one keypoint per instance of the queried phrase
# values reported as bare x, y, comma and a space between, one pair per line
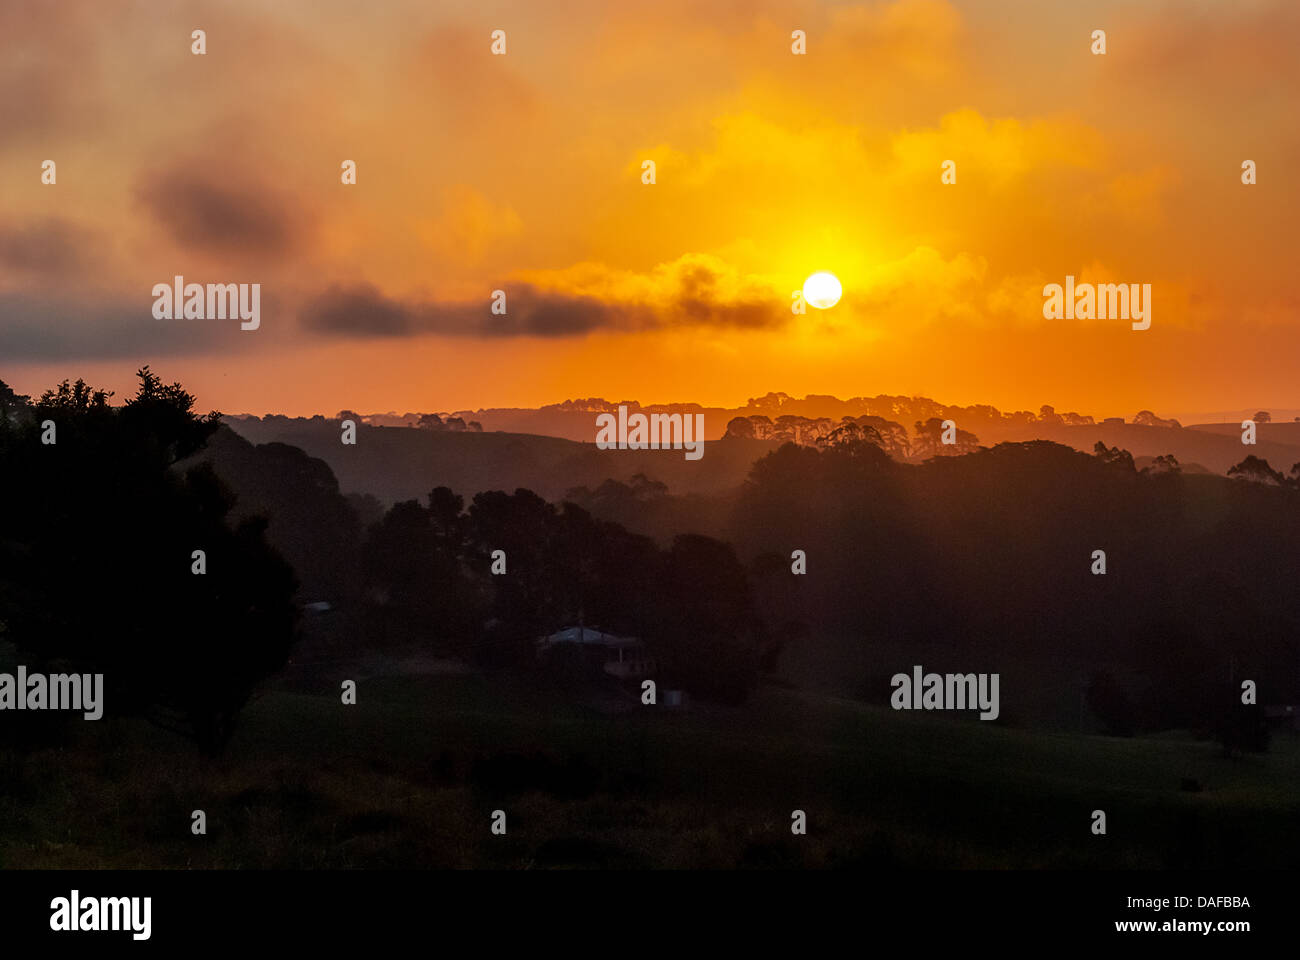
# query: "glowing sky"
523, 172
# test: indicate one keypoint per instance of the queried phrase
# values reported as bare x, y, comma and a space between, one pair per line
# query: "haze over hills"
550, 449
392, 463
573, 419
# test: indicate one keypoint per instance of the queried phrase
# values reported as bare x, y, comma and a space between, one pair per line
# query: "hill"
1215, 447
395, 463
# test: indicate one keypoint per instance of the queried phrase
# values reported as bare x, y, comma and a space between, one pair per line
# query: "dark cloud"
365, 311
46, 248
36, 328
217, 213
750, 314
357, 311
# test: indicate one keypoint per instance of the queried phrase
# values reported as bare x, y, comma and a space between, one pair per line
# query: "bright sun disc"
822, 290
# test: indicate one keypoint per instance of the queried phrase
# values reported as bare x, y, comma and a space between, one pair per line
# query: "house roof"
588, 637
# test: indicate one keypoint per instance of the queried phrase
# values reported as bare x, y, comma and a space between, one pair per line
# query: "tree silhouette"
309, 521
990, 556
739, 428
851, 437
415, 577
1166, 464
96, 561
1114, 456
929, 440
893, 436
1110, 703
1256, 470
11, 403
705, 640
1145, 418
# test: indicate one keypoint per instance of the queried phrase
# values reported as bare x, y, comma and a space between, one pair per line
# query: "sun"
822, 290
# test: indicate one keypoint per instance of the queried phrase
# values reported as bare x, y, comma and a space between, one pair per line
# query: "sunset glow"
523, 173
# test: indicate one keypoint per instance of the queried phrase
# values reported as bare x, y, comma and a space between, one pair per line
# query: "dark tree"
1110, 704
1256, 470
705, 638
100, 530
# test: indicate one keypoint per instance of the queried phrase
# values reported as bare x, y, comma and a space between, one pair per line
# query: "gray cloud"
46, 247
207, 212
365, 311
39, 328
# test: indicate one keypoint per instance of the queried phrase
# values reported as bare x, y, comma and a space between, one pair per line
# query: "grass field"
410, 775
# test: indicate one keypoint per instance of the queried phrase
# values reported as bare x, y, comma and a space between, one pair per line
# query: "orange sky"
523, 173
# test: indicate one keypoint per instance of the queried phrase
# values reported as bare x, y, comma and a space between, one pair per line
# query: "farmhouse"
624, 658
